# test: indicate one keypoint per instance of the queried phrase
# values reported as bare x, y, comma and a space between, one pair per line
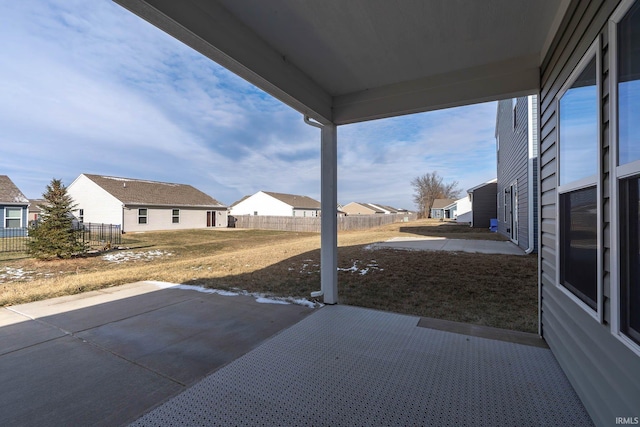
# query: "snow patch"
124, 256
11, 273
372, 265
260, 298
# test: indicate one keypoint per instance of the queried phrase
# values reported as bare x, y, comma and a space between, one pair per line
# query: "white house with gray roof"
142, 205
276, 204
13, 208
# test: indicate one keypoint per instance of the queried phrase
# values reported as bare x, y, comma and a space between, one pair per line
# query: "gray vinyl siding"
604, 372
484, 205
513, 166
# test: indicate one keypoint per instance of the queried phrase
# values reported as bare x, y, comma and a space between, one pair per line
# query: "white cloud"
89, 87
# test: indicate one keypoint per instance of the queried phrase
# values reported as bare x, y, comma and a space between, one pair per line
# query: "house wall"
306, 212
161, 218
99, 206
463, 209
603, 370
483, 204
5, 232
263, 204
513, 166
357, 209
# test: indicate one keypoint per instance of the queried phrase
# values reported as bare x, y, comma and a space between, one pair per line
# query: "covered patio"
349, 366
342, 62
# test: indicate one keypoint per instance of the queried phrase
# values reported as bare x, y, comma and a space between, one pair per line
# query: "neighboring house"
359, 208
267, 203
463, 210
13, 209
34, 209
441, 208
141, 205
517, 163
483, 204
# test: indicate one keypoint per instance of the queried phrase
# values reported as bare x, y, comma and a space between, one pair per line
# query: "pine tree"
54, 236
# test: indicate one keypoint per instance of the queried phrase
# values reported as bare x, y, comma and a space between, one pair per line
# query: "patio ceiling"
349, 61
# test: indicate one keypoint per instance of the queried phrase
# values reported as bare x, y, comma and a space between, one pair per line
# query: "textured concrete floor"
348, 366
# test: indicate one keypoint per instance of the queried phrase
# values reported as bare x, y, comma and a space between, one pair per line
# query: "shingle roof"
141, 192
441, 203
299, 202
9, 193
34, 205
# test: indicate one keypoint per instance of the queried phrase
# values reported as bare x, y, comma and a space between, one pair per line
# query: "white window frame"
588, 182
6, 217
81, 215
514, 110
174, 216
617, 174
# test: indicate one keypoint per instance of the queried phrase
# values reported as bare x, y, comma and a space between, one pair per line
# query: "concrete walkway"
453, 245
106, 357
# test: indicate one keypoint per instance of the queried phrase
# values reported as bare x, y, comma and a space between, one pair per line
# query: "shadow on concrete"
107, 357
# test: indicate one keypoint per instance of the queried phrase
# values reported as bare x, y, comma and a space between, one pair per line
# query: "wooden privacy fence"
312, 224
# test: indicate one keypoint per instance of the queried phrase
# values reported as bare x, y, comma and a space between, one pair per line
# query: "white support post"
329, 212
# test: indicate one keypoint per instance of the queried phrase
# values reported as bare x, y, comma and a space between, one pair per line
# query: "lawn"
493, 290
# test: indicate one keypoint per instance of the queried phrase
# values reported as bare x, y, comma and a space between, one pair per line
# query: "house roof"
493, 181
34, 205
442, 203
10, 194
153, 193
298, 202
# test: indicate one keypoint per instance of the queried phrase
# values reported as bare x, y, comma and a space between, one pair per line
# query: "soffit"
349, 61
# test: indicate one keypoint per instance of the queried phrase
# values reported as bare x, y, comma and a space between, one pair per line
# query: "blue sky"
86, 86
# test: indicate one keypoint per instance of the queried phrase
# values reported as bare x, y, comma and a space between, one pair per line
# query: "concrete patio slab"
68, 382
348, 366
452, 245
137, 345
18, 331
187, 340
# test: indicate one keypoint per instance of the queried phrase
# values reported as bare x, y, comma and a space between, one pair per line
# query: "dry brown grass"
494, 290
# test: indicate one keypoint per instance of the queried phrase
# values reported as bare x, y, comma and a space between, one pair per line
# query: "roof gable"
442, 203
153, 193
9, 193
296, 201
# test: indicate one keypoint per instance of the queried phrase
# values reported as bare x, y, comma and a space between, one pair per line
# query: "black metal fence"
13, 239
93, 236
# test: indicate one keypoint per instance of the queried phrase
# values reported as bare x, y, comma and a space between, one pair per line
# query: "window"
12, 217
629, 87
630, 262
625, 67
80, 215
579, 244
142, 216
514, 106
578, 192
175, 216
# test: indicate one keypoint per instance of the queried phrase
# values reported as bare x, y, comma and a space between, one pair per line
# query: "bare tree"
430, 186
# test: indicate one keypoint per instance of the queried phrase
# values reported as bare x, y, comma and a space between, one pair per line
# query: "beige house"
358, 208
141, 205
